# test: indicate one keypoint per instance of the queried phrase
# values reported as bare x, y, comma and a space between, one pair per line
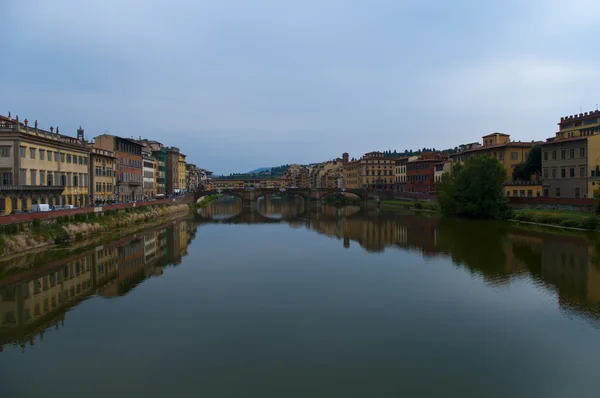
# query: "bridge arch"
201, 194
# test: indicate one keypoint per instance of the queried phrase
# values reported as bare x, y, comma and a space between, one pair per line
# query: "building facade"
570, 167
420, 173
400, 172
103, 172
440, 169
39, 166
498, 145
149, 169
579, 125
172, 170
129, 165
181, 173
377, 172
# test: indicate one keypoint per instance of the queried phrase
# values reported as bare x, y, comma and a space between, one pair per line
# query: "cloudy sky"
240, 84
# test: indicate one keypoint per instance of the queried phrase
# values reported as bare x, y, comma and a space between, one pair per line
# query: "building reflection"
37, 299
498, 252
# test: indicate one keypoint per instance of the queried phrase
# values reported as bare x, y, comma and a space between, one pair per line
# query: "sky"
241, 84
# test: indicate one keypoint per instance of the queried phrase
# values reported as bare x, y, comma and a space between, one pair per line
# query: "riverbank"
417, 205
207, 200
76, 227
558, 218
578, 220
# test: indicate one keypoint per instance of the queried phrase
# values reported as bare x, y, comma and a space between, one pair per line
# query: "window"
85, 160
42, 154
553, 155
62, 157
32, 153
558, 192
522, 192
50, 178
572, 172
42, 177
563, 173
577, 192
545, 155
33, 177
546, 193
6, 178
529, 193
582, 172
56, 157
514, 156
22, 151
563, 153
507, 193
571, 153
553, 173
515, 192
581, 152
501, 155
4, 151
545, 173
68, 158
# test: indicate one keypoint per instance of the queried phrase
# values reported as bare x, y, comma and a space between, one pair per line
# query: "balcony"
31, 189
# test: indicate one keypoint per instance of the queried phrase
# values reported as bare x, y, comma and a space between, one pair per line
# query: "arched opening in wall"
217, 207
282, 205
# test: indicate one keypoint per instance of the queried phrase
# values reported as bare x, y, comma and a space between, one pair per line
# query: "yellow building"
498, 145
373, 171
103, 181
181, 169
38, 166
529, 189
581, 125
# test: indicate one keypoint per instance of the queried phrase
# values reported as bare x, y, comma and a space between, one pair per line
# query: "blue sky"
243, 84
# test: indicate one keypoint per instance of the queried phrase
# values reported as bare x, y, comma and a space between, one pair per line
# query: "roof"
562, 140
515, 144
433, 160
493, 134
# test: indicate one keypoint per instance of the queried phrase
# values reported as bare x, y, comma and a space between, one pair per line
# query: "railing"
31, 187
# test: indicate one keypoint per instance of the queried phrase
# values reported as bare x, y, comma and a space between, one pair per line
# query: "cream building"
103, 181
39, 166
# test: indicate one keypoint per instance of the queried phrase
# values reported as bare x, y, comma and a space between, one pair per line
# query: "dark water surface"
280, 301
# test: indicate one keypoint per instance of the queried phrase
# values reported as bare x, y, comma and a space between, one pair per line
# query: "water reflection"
36, 299
498, 252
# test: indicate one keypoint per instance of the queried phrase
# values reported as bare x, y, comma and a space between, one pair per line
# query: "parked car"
16, 211
69, 207
57, 207
40, 207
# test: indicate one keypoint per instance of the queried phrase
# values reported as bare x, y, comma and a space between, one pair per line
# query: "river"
287, 301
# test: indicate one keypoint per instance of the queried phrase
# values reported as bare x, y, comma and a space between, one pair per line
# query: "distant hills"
259, 170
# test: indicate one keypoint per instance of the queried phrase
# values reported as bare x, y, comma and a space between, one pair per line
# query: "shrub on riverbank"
474, 189
341, 200
411, 205
207, 200
570, 219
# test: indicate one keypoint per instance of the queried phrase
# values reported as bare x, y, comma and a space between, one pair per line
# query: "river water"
284, 301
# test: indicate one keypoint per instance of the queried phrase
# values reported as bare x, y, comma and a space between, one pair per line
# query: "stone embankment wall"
34, 238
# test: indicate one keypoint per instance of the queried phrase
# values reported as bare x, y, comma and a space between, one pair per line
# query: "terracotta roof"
493, 134
436, 160
516, 144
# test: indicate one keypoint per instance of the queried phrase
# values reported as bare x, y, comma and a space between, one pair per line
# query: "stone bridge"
252, 195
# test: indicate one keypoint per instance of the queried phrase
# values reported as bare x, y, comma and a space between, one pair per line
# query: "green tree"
533, 165
475, 189
520, 172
